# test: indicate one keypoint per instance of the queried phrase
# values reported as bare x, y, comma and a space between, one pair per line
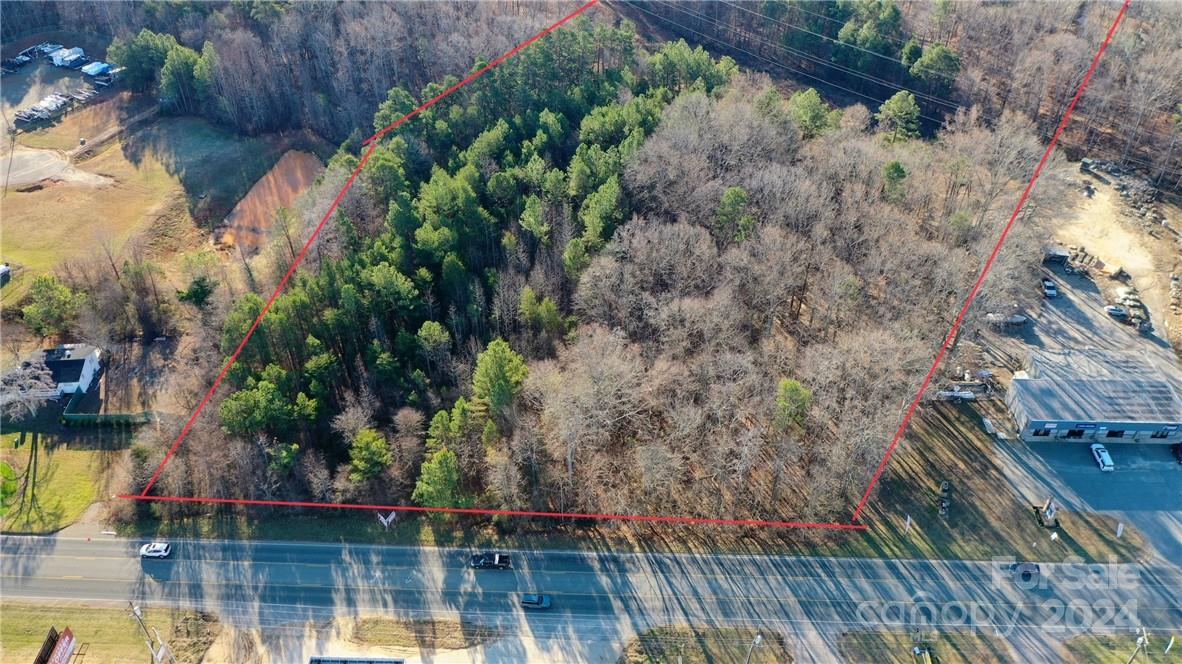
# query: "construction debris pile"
1139, 194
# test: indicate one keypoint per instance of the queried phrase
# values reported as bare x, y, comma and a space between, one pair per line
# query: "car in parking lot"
1116, 312
156, 550
1100, 454
1049, 289
535, 602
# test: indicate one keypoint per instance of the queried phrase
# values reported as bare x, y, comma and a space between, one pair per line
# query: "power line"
939, 122
930, 97
825, 37
825, 63
770, 61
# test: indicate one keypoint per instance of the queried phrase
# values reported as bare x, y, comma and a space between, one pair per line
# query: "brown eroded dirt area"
1149, 253
249, 223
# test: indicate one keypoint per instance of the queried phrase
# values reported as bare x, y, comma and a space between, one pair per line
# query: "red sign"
65, 648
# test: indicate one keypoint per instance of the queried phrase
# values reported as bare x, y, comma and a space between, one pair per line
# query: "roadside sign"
387, 520
64, 649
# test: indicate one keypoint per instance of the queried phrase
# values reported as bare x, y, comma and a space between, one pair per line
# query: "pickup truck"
490, 561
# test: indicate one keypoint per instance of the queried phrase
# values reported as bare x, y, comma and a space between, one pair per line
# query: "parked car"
1100, 454
1024, 572
1003, 321
156, 550
489, 560
535, 602
1177, 450
1116, 312
1049, 289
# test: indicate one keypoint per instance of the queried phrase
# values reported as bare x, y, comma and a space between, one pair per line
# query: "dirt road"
25, 166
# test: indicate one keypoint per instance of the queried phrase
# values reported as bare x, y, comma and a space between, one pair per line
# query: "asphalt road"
603, 597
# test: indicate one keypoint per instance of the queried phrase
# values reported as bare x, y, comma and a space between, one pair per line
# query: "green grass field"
67, 481
110, 634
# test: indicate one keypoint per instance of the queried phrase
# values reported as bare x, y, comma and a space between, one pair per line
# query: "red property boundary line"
372, 142
1005, 231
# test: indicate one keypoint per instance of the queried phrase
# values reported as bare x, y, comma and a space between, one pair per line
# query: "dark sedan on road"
490, 561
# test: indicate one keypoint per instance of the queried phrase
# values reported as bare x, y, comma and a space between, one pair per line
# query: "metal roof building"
1089, 395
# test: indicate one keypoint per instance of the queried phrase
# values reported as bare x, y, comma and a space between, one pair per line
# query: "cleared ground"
988, 515
31, 84
107, 635
1143, 491
110, 110
162, 179
249, 223
1150, 253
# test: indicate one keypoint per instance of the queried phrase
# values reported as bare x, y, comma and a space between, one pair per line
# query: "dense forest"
602, 279
607, 276
1025, 56
276, 65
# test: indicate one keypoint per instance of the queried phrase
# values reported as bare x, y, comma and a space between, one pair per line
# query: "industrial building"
1089, 395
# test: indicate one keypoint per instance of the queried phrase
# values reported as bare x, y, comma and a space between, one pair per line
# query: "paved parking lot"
1145, 489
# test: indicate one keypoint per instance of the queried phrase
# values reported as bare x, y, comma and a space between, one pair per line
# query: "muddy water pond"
249, 224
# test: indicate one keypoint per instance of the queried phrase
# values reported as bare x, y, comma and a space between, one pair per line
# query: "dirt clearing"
249, 223
1149, 253
27, 166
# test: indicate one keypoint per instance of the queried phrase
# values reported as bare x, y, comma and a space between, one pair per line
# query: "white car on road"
1100, 454
156, 550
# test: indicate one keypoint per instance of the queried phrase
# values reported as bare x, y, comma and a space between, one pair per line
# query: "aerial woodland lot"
618, 274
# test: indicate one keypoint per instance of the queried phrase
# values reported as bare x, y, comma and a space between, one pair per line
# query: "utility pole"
160, 653
1142, 645
754, 644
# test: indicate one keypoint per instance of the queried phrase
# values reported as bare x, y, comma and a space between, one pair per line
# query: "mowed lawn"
110, 634
170, 174
68, 479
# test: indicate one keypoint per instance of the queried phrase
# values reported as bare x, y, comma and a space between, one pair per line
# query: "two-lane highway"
600, 595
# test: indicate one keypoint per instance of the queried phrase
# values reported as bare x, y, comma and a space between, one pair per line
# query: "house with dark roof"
73, 367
